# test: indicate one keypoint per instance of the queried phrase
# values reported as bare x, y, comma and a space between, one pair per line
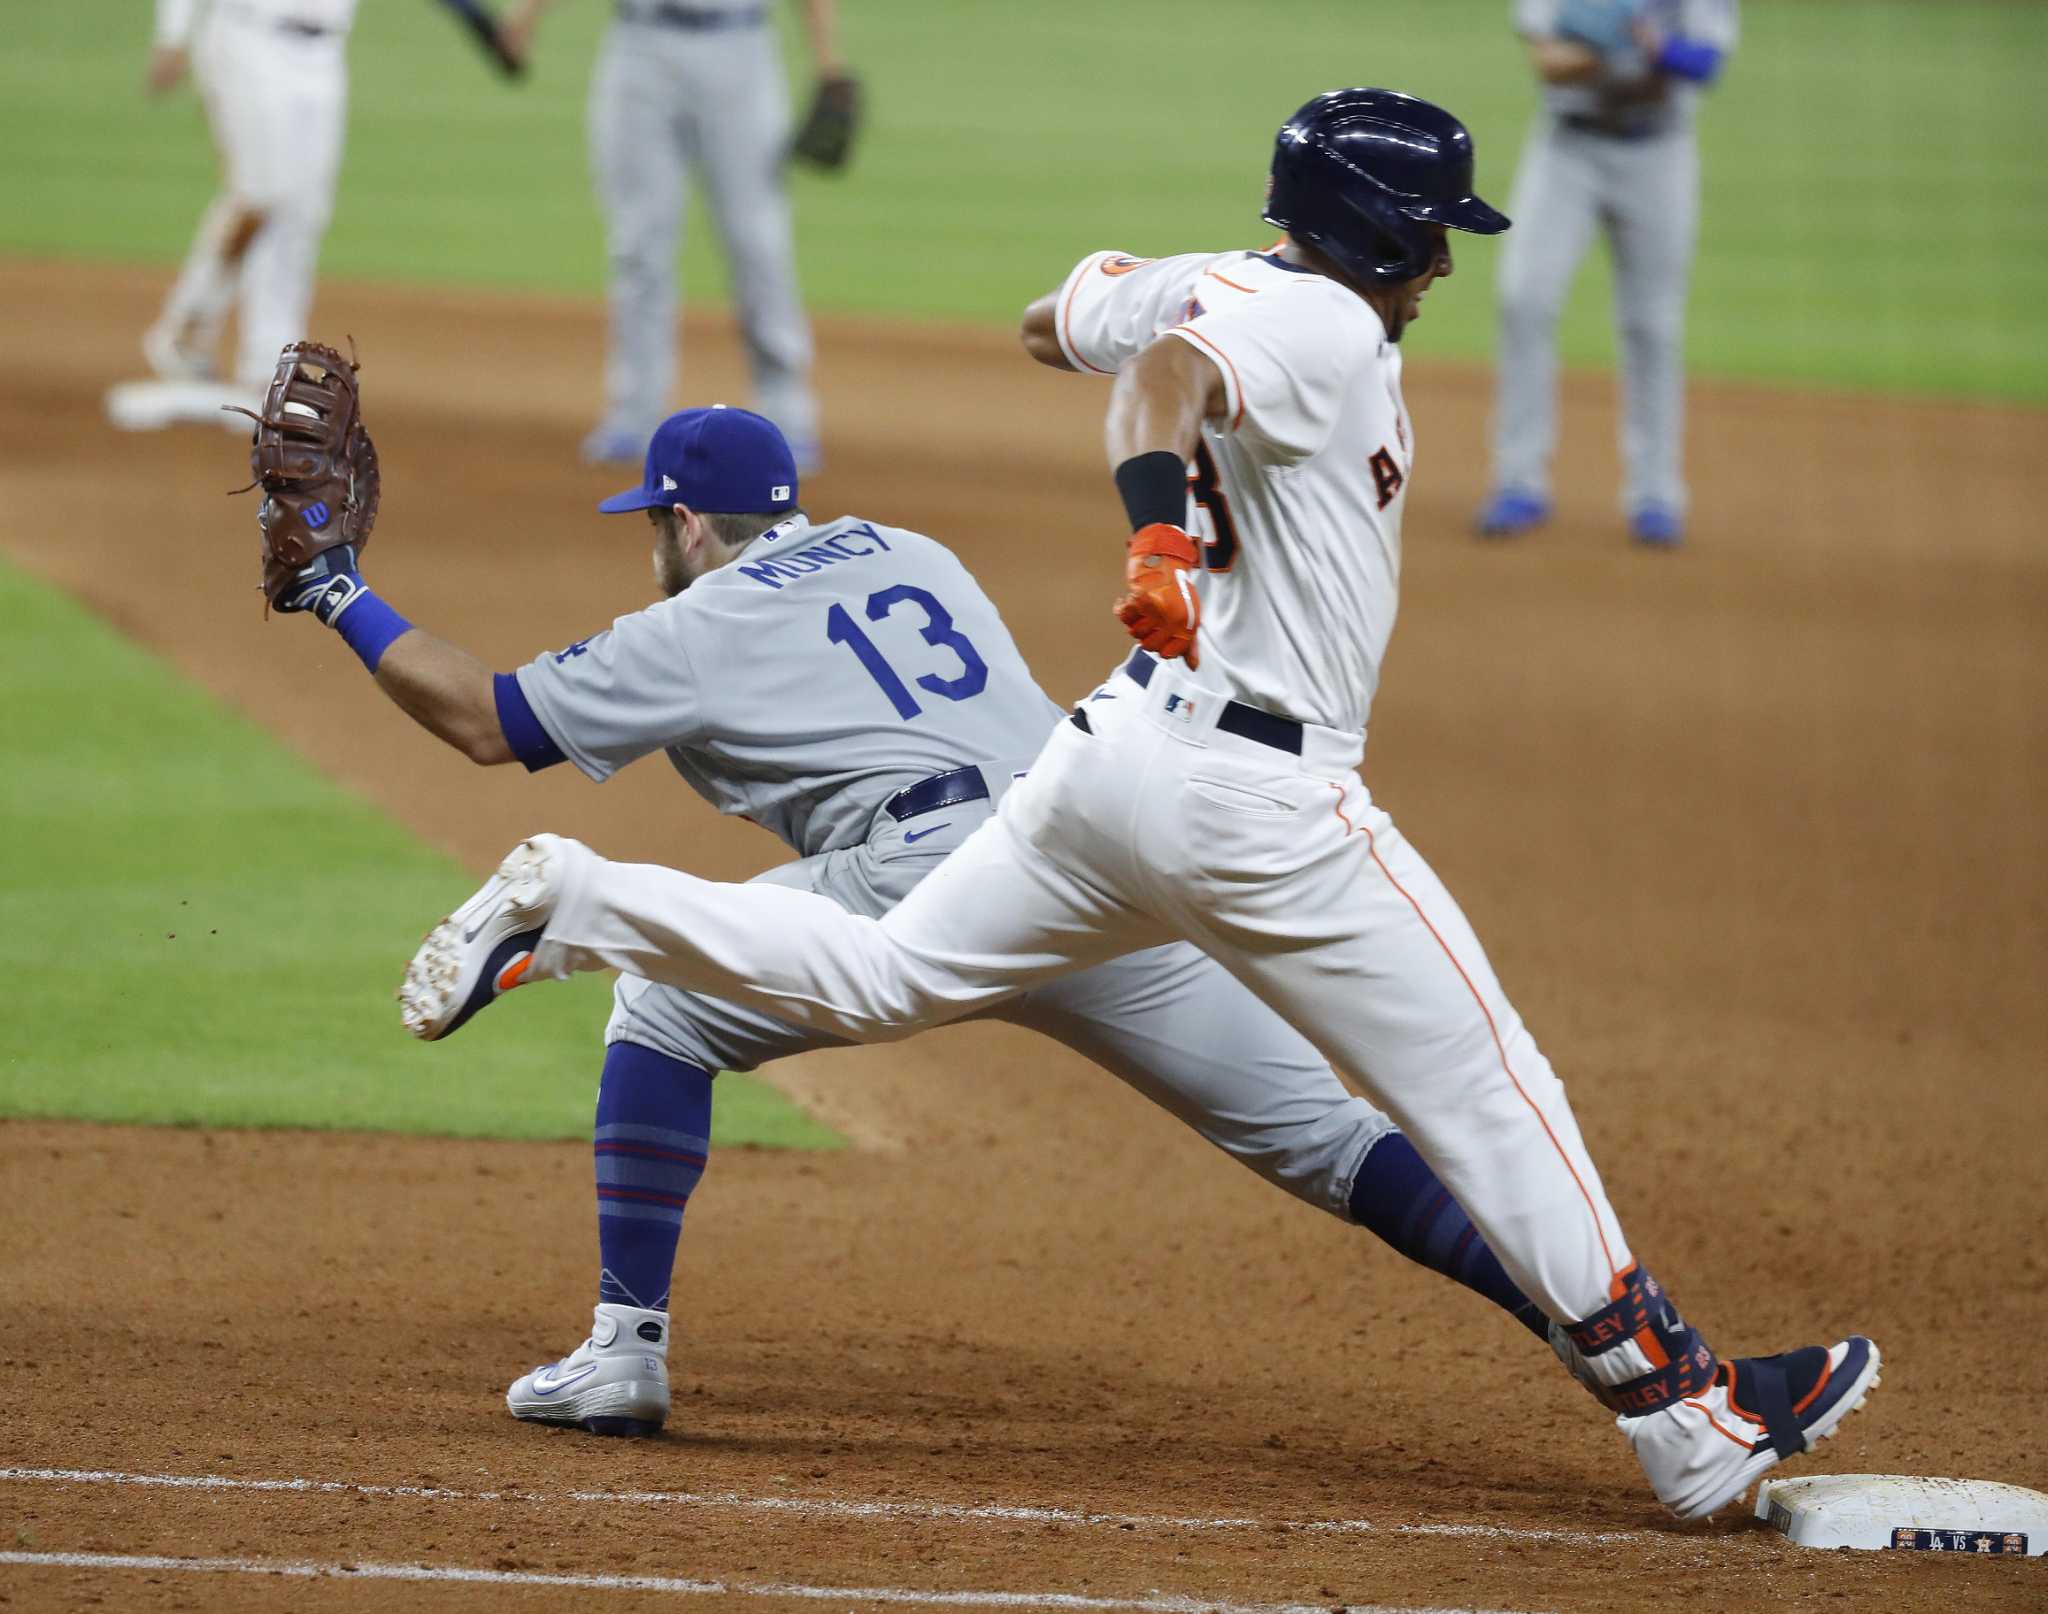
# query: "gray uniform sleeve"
618, 694
1535, 19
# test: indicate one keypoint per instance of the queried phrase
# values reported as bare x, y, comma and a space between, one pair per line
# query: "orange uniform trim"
1237, 386
1500, 1049
1338, 807
1719, 1429
1827, 1372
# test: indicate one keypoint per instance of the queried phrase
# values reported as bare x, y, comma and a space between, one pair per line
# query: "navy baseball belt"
696, 19
941, 790
1246, 722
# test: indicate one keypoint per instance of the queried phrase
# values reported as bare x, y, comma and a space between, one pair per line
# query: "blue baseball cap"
713, 459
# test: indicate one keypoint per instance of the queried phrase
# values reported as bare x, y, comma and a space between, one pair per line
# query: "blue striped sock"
652, 1136
1398, 1197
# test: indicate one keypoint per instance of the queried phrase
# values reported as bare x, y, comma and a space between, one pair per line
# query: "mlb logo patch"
777, 494
1180, 707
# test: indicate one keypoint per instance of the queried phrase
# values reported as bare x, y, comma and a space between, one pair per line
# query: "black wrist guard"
1154, 488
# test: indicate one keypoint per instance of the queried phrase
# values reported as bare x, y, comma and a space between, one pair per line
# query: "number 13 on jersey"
937, 630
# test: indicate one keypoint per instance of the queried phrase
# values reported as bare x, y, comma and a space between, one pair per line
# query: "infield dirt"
1752, 832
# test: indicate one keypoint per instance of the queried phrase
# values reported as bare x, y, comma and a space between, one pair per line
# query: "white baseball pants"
1149, 826
277, 103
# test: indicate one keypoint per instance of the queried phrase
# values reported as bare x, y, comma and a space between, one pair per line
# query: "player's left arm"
448, 692
1158, 402
1156, 408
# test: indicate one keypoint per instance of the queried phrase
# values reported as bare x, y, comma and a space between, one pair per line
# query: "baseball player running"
685, 87
849, 687
1612, 149
1206, 792
274, 78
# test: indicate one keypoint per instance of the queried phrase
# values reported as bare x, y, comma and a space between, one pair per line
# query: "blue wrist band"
530, 742
367, 626
1689, 59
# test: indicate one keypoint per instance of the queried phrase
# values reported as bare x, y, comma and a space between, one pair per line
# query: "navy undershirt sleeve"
530, 742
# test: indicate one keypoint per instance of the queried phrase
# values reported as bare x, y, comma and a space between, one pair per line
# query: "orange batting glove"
1162, 611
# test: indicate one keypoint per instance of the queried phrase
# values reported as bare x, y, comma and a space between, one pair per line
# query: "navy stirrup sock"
652, 1135
1398, 1197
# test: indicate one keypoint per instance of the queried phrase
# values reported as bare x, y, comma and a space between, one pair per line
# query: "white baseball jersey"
175, 18
1297, 490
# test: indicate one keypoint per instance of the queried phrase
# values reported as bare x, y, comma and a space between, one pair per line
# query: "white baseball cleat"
1702, 1453
151, 406
484, 948
614, 1383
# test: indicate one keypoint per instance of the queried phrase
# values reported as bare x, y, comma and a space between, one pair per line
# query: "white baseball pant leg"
198, 302
279, 103
1147, 828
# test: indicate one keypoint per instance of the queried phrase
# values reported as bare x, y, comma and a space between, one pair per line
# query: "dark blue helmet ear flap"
1361, 175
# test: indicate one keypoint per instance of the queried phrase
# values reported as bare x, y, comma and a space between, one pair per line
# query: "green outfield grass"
1875, 216
196, 928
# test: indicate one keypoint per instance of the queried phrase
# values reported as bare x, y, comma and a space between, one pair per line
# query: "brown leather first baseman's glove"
826, 138
318, 470
1162, 611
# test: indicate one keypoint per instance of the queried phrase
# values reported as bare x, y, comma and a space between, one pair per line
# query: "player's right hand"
1161, 609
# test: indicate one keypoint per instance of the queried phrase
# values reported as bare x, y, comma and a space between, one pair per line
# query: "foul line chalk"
1158, 1603
827, 1507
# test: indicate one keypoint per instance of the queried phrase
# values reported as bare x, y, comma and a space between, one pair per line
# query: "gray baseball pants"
1644, 196
665, 103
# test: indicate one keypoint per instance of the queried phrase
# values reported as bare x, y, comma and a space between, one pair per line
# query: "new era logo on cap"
717, 459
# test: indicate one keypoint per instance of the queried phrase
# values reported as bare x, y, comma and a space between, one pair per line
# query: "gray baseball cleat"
614, 1383
484, 948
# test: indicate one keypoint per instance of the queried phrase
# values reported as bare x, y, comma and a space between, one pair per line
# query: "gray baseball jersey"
803, 684
1628, 97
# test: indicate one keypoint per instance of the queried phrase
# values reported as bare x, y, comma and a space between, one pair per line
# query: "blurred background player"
273, 75
685, 86
1612, 147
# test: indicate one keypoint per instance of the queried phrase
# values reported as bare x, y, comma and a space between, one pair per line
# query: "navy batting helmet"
1361, 174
